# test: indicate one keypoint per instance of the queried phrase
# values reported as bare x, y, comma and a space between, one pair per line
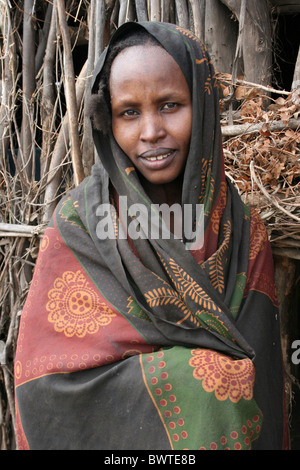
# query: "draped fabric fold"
142, 343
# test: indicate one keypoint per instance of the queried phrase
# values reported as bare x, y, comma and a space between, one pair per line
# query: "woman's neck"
169, 193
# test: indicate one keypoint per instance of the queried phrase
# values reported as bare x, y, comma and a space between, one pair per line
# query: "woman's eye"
130, 113
170, 106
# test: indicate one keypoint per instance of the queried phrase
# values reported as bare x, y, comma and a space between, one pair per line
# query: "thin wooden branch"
268, 89
44, 39
60, 151
48, 98
28, 74
70, 94
272, 199
234, 130
9, 79
239, 45
87, 148
99, 27
21, 230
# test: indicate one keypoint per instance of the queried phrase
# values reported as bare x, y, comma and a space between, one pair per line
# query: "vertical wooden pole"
255, 37
28, 75
220, 35
70, 94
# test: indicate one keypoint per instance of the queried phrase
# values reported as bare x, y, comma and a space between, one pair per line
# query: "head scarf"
204, 183
219, 298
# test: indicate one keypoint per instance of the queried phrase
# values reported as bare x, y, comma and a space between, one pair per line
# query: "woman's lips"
157, 159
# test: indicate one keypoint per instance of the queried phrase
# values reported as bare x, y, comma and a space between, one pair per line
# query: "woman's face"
151, 111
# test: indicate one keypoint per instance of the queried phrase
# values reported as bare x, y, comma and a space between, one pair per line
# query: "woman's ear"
99, 112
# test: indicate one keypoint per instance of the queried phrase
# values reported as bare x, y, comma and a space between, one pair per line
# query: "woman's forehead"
148, 65
144, 58
170, 38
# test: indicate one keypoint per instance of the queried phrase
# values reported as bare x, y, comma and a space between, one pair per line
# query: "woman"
134, 341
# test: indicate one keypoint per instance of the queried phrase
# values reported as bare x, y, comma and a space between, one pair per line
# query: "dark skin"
152, 118
169, 193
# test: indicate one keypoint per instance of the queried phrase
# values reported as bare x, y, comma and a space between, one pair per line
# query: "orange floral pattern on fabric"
227, 377
74, 307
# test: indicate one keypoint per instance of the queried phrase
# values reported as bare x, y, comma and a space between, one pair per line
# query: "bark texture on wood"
59, 153
155, 10
70, 95
48, 99
198, 17
141, 10
256, 39
28, 74
182, 13
123, 13
88, 149
285, 270
165, 13
220, 35
9, 72
99, 25
39, 58
296, 78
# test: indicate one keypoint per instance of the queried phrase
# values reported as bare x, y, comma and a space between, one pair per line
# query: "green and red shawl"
141, 344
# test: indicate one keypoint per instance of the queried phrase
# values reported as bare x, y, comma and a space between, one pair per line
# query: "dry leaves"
265, 165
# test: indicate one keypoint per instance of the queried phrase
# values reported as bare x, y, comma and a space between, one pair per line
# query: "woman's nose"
152, 128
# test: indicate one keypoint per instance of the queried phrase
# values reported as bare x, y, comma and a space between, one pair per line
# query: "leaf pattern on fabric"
216, 271
207, 316
189, 288
217, 262
167, 296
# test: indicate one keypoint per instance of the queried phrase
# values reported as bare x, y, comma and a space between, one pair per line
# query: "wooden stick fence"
46, 138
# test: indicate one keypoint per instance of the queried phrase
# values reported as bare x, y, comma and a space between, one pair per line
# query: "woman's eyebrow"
163, 97
126, 103
172, 95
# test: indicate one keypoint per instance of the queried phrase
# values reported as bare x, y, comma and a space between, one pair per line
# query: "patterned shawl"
143, 344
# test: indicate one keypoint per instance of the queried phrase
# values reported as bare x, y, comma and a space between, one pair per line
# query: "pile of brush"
262, 156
